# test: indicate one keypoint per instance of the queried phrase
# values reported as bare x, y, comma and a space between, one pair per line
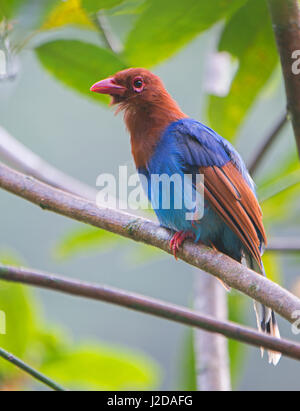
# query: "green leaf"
166, 26
279, 195
129, 7
78, 64
67, 13
143, 254
96, 240
280, 185
17, 306
97, 367
93, 366
9, 8
92, 6
16, 302
248, 36
86, 238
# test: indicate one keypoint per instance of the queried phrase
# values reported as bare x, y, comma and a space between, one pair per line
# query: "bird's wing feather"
235, 202
227, 185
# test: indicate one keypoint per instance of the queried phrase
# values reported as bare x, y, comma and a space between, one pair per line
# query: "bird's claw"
178, 238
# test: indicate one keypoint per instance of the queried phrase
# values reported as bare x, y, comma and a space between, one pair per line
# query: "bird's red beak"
108, 86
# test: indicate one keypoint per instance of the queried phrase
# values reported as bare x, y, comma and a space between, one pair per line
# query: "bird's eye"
138, 84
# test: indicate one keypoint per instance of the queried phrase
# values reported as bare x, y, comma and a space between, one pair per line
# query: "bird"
166, 141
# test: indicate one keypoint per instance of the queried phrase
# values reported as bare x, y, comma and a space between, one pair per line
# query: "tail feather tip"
266, 323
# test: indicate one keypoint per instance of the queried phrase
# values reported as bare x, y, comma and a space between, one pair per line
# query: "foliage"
63, 59
9, 8
69, 12
91, 365
100, 367
166, 26
156, 31
85, 238
93, 6
249, 39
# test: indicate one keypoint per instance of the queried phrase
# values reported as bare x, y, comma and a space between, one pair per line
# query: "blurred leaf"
65, 13
9, 8
92, 6
143, 253
96, 367
279, 195
237, 352
78, 64
95, 239
288, 162
165, 26
86, 238
280, 185
248, 35
49, 349
129, 7
19, 306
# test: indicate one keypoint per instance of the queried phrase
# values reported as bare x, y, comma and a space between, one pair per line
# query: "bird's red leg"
177, 240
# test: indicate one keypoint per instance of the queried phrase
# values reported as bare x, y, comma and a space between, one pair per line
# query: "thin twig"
266, 144
142, 230
211, 352
31, 371
285, 15
148, 305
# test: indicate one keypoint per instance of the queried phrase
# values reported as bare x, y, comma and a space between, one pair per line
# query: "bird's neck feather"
146, 123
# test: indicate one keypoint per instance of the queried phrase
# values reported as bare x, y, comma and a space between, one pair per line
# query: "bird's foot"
178, 238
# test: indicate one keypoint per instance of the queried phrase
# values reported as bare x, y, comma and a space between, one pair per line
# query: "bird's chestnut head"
132, 86
148, 108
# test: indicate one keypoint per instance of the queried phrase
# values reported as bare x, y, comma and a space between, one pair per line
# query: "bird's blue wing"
194, 148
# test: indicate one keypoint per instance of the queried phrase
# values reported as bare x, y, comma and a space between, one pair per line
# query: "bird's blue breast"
184, 147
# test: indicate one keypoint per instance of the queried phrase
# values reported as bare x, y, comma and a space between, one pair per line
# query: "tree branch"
29, 370
285, 15
148, 305
23, 159
142, 230
265, 145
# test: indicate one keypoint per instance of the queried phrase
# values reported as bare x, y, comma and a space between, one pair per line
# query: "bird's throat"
146, 124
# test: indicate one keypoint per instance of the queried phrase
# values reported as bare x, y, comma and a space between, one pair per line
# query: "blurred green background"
67, 337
